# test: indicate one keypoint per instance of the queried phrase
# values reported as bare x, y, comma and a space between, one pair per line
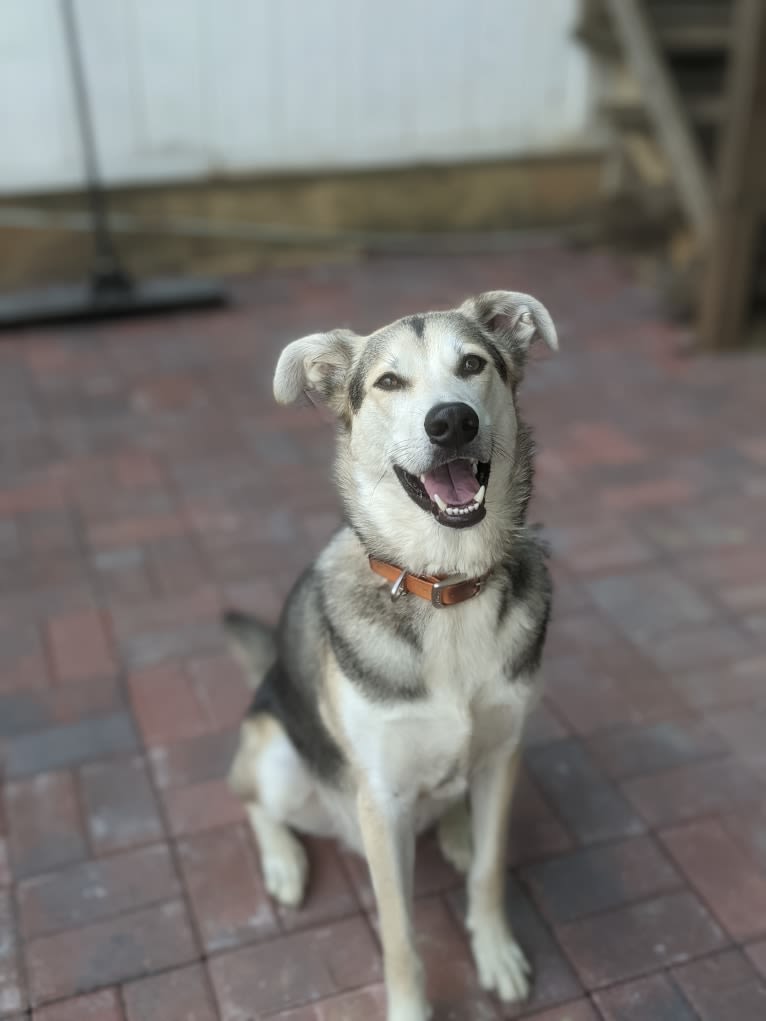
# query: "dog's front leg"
500, 961
388, 834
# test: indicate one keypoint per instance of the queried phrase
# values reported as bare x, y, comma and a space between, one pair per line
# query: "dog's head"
433, 463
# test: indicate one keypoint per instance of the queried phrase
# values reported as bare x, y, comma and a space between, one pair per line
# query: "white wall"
188, 88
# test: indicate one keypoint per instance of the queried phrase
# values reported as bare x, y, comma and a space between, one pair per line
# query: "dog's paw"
409, 1010
285, 871
500, 961
454, 835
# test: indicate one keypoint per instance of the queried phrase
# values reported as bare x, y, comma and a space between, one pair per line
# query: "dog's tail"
252, 643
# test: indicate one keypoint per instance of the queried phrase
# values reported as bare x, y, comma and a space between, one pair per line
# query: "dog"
394, 692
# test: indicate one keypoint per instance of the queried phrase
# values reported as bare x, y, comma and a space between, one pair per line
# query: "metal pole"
108, 273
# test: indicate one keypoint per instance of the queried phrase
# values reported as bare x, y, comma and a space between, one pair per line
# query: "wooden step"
631, 113
691, 38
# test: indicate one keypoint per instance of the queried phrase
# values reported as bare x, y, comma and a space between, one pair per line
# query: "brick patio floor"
147, 479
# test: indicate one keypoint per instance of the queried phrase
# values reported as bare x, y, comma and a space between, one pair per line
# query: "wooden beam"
741, 190
666, 111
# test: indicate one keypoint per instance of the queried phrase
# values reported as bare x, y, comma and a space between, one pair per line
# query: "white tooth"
439, 502
423, 479
452, 510
475, 467
480, 495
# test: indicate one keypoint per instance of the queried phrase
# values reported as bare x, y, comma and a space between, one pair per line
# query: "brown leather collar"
439, 590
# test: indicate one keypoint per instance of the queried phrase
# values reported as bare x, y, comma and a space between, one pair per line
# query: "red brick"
202, 806
722, 874
222, 690
95, 890
592, 696
637, 495
41, 708
123, 948
691, 791
12, 993
207, 757
367, 1004
7, 928
590, 806
137, 469
103, 1006
633, 940
757, 954
535, 832
47, 532
164, 639
35, 496
44, 823
742, 681
600, 546
134, 531
744, 729
294, 970
598, 878
650, 604
196, 607
543, 727
69, 744
175, 565
646, 999
229, 900
180, 995
165, 705
632, 751
748, 827
724, 987
579, 1011
23, 664
119, 805
697, 648
329, 894
81, 646
5, 865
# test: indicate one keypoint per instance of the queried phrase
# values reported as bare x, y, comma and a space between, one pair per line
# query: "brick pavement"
147, 479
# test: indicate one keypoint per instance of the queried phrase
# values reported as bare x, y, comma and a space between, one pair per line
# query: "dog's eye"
471, 365
389, 381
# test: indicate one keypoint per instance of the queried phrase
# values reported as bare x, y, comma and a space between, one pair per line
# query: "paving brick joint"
147, 479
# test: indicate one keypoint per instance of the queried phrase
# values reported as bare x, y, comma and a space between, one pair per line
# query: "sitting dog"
394, 693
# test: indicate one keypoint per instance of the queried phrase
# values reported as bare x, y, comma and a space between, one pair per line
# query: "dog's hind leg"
454, 835
283, 859
269, 776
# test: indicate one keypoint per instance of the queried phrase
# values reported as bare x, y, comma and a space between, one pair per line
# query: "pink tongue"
454, 483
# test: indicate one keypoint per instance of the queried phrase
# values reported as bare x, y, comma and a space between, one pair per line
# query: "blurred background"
266, 134
295, 166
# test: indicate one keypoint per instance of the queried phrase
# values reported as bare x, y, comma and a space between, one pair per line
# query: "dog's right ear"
318, 364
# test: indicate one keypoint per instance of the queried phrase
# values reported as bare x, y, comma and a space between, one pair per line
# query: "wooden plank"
741, 187
666, 110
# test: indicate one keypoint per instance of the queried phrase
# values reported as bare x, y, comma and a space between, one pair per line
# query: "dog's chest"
429, 748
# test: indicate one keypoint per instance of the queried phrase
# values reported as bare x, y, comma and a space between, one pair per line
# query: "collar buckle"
444, 583
399, 588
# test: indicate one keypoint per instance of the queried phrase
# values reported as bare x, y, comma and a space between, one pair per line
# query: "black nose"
451, 425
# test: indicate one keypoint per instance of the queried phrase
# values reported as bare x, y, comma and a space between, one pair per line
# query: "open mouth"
454, 493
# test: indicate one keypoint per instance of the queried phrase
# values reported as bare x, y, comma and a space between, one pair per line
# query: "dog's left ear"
513, 320
318, 364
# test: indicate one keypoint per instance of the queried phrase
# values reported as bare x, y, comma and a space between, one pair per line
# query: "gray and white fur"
375, 718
